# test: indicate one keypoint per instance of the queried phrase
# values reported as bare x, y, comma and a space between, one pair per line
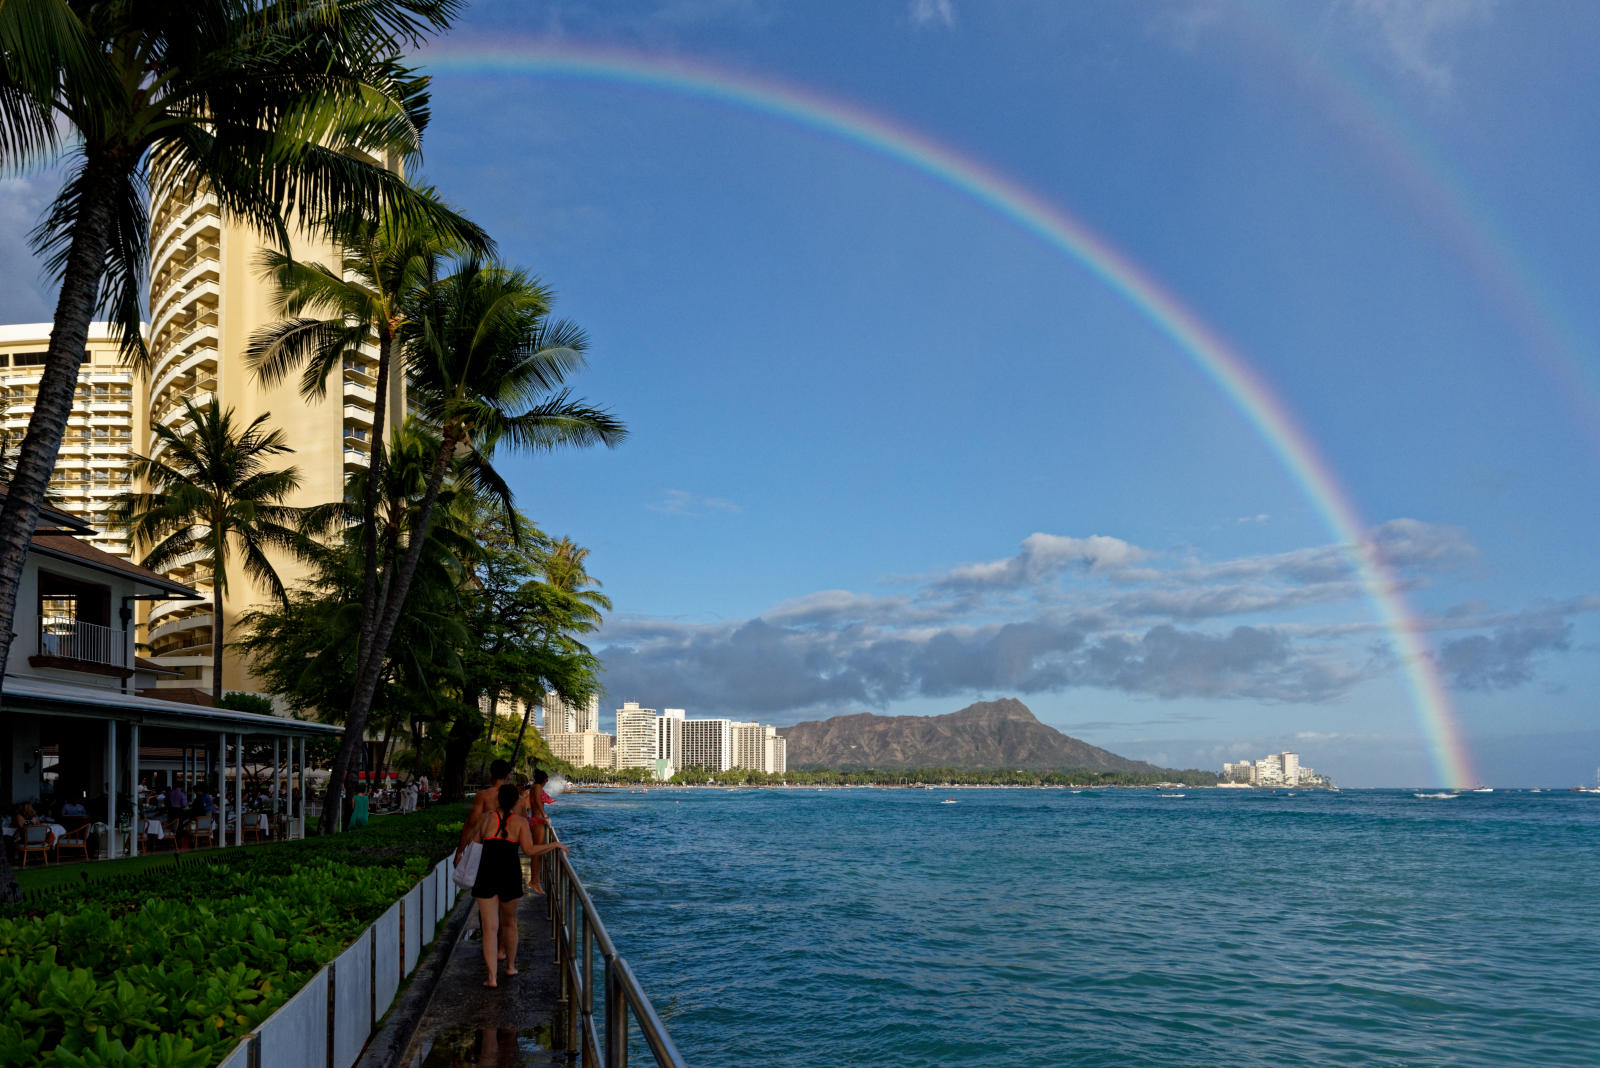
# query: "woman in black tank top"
505, 836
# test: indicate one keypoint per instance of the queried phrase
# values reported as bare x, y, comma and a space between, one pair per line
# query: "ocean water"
1111, 927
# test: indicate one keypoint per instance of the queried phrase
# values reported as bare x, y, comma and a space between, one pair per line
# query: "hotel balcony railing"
73, 639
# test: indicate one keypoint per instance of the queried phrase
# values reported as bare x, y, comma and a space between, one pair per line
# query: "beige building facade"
108, 418
584, 749
207, 300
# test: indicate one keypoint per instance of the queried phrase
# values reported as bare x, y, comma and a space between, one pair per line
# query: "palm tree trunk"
371, 664
527, 714
216, 637
371, 607
69, 334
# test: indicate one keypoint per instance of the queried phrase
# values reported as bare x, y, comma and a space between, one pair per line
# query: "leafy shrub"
173, 966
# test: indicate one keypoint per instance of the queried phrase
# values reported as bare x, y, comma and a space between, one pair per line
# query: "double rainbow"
1238, 381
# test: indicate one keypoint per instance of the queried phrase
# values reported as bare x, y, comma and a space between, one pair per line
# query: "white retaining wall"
355, 990
411, 927
385, 960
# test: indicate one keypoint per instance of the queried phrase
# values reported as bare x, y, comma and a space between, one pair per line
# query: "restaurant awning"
62, 699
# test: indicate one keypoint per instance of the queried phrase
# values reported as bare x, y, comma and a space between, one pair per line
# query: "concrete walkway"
513, 1025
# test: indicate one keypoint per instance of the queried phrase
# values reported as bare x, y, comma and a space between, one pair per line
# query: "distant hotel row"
1277, 769
664, 744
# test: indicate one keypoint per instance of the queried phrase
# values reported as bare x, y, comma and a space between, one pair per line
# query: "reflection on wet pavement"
502, 1047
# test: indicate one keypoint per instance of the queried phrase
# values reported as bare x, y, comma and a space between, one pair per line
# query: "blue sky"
892, 452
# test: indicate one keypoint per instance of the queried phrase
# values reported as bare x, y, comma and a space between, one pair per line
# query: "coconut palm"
279, 108
486, 367
208, 497
330, 315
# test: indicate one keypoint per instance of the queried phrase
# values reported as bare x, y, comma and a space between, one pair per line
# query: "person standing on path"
360, 808
498, 887
484, 801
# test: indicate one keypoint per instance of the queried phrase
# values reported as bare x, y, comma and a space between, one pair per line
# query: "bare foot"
491, 984
510, 972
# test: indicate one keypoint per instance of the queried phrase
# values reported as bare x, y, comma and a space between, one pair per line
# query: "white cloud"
1418, 36
682, 502
933, 12
1070, 613
1043, 558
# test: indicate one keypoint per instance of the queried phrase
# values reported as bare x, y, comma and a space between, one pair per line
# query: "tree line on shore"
936, 776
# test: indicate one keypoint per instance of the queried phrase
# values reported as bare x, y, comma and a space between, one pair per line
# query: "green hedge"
172, 966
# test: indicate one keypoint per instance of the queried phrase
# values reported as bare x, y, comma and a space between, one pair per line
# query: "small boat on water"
1441, 796
1476, 790
1171, 795
948, 801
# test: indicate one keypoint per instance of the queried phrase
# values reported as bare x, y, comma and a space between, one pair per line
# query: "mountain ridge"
985, 734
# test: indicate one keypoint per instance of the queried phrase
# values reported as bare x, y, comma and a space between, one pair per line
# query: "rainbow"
1439, 194
1204, 347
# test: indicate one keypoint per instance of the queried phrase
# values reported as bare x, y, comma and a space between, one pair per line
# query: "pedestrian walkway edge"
393, 1040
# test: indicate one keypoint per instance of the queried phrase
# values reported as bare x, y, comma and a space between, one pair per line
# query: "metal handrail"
577, 932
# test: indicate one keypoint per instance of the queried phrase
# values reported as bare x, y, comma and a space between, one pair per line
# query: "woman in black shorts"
504, 835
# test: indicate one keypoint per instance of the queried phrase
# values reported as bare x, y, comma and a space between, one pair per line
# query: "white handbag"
466, 870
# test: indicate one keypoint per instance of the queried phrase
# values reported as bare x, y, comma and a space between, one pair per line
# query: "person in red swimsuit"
498, 887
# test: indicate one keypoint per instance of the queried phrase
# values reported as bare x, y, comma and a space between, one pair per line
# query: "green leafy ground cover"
173, 963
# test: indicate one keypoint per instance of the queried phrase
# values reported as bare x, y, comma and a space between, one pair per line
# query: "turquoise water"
1115, 927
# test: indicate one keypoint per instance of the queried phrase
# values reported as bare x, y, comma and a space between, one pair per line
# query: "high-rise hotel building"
108, 417
563, 717
573, 732
636, 737
206, 301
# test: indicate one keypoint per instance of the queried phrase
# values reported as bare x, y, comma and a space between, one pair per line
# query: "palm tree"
486, 366
383, 262
207, 495
564, 568
575, 608
277, 107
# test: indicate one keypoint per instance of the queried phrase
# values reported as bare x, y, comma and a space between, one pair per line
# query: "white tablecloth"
153, 829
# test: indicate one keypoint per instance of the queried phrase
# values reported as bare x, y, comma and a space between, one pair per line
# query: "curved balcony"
184, 223
191, 358
201, 335
180, 626
178, 412
205, 267
188, 308
166, 611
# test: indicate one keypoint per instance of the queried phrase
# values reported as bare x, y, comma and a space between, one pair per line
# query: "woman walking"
498, 888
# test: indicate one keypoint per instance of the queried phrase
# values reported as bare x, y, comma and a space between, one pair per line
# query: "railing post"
616, 1051
587, 935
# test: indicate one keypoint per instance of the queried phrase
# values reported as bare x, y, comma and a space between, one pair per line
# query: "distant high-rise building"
777, 752
669, 737
749, 746
107, 426
1274, 769
636, 737
584, 749
563, 717
708, 744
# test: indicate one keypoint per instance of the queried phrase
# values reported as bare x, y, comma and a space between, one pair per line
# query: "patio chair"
255, 828
35, 839
76, 839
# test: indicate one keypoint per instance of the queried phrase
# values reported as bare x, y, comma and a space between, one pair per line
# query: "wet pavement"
513, 1025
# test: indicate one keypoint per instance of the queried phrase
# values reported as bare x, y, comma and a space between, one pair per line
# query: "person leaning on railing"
498, 887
